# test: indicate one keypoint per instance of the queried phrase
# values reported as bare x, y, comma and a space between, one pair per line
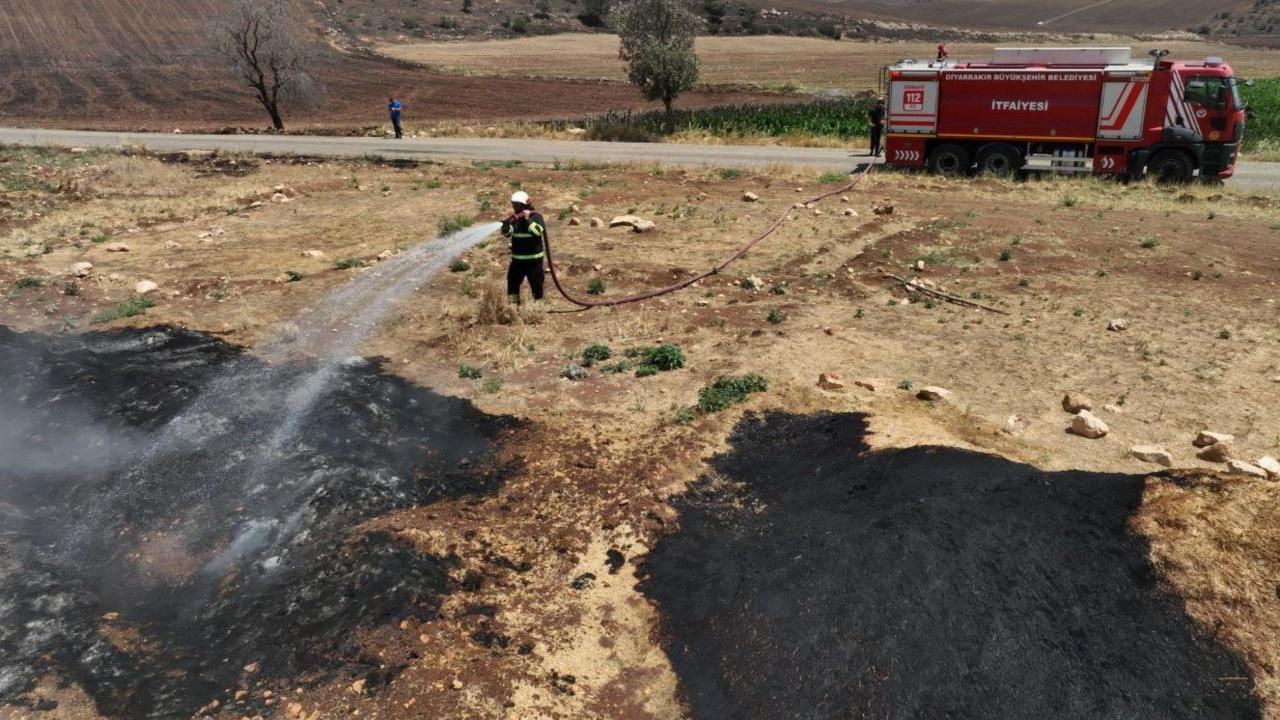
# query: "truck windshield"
1207, 90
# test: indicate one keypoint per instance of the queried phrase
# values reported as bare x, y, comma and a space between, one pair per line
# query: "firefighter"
526, 229
876, 116
942, 52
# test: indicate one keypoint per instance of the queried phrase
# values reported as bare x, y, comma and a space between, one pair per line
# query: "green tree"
657, 45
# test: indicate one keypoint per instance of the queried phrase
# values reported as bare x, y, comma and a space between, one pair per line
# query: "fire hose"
742, 250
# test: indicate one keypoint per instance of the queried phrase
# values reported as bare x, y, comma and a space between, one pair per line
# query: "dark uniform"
876, 115
526, 231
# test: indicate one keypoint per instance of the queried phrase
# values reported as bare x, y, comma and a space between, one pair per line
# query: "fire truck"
1071, 110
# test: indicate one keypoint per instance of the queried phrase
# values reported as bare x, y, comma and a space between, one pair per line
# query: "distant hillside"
149, 63
1261, 18
366, 21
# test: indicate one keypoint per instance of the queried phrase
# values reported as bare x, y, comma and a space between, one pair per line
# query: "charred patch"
813, 579
161, 574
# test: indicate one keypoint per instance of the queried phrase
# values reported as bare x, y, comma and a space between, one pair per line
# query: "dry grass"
1217, 541
770, 62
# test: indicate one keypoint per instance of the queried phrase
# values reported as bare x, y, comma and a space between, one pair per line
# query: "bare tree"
263, 43
657, 45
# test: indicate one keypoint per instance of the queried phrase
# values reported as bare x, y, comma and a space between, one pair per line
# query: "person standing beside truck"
876, 118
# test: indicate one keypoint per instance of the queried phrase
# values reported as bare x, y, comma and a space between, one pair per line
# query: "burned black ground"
812, 579
153, 577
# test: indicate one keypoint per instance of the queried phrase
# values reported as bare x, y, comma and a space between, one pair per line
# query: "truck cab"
1204, 117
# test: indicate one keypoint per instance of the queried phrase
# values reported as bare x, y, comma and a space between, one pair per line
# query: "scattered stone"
797, 206
597, 222
817, 211
1073, 402
145, 286
386, 254
635, 222
312, 253
116, 247
79, 151
1014, 424
81, 269
281, 198
1087, 425
357, 687
753, 283
1217, 452
241, 695
1240, 467
1113, 409
883, 207
456, 684
1118, 325
583, 581
294, 709
933, 393
850, 212
1270, 464
1152, 454
210, 708
918, 266
844, 198
799, 189
829, 331
574, 222
250, 669
204, 235
1207, 438
830, 381
577, 131
749, 196
255, 204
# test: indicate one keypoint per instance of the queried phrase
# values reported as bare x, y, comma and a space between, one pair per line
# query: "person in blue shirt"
394, 107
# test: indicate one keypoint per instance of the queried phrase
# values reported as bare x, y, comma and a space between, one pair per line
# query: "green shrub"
596, 353
29, 282
451, 225
136, 305
777, 316
348, 264
664, 357
843, 118
729, 390
459, 265
292, 276
832, 178
71, 289
491, 385
646, 371
619, 367
596, 286
573, 372
469, 372
729, 173
1149, 243
684, 415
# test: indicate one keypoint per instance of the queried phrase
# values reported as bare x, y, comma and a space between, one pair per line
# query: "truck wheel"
1171, 167
949, 159
999, 160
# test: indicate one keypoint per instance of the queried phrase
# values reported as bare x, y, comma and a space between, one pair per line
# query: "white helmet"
520, 197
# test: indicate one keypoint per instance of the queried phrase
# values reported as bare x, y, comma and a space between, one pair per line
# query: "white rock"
1087, 425
933, 393
280, 198
1152, 454
597, 222
1207, 438
1270, 464
850, 212
81, 269
145, 286
1240, 467
1117, 325
844, 198
313, 253
1113, 409
576, 131
919, 266
753, 283
626, 220
1014, 424
172, 244
116, 247
204, 235
749, 197
817, 211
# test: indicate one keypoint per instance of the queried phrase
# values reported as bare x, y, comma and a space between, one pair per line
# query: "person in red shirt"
942, 52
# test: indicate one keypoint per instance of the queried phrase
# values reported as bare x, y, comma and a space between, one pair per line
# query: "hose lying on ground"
649, 295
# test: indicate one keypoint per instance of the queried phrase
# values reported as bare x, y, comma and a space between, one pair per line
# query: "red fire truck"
1079, 110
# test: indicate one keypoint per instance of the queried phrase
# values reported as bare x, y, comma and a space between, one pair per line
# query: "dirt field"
773, 62
598, 475
95, 65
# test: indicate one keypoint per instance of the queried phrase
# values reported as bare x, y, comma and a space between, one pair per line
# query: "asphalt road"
1255, 176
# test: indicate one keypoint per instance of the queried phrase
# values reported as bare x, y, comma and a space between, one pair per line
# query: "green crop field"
840, 118
1263, 128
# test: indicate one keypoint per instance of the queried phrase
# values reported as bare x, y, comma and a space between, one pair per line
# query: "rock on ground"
1087, 425
81, 269
883, 207
830, 381
868, 383
749, 197
597, 222
145, 286
116, 247
1073, 402
635, 222
933, 393
573, 221
1207, 438
1152, 454
1118, 325
1270, 464
1240, 467
1218, 452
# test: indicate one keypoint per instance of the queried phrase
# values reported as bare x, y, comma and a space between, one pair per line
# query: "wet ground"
810, 579
165, 534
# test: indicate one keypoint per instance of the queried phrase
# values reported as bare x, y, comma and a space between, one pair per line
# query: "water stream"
202, 497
